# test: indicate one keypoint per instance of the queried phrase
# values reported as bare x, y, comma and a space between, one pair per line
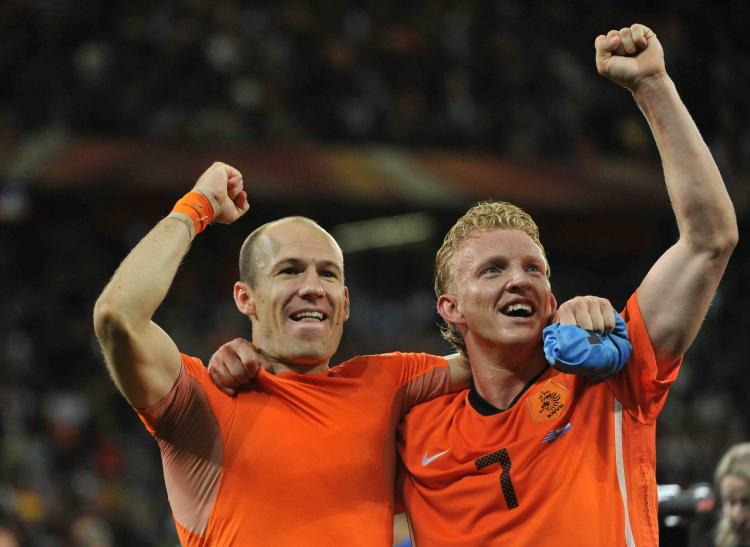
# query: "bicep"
675, 295
144, 363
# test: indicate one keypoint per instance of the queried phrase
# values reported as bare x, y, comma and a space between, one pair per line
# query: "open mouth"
308, 316
518, 309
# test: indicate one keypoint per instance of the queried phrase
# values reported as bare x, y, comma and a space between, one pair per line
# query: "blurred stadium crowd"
508, 75
76, 466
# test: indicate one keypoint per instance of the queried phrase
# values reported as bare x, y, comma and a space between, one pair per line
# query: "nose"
310, 286
519, 279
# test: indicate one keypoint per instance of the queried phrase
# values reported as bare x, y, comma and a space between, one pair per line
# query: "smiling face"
298, 302
499, 294
735, 497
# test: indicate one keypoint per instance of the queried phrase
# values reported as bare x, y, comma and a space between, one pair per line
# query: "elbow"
109, 323
733, 237
725, 241
105, 320
717, 242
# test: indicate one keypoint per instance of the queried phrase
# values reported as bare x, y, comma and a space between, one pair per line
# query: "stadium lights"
384, 232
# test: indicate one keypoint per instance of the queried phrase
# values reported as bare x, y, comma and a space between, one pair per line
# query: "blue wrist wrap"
574, 350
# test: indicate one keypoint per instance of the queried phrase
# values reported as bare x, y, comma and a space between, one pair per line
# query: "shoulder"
640, 339
447, 405
164, 417
643, 385
637, 331
193, 366
395, 368
394, 359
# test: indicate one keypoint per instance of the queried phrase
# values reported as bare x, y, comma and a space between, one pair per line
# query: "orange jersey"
294, 460
570, 462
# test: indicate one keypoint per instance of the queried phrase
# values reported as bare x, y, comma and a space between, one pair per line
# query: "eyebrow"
531, 258
320, 264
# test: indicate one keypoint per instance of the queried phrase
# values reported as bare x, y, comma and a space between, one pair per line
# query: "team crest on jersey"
547, 401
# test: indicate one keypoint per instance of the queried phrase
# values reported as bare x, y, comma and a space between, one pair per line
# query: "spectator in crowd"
732, 480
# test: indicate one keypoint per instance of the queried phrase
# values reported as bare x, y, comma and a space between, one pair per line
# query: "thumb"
241, 202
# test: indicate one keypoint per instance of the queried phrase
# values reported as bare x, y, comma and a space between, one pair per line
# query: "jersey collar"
485, 408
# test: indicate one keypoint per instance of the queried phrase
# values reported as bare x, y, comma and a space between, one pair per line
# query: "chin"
520, 336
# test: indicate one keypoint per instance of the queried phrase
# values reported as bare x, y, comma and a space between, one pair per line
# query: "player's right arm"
142, 358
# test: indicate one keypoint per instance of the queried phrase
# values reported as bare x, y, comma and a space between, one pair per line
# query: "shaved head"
249, 256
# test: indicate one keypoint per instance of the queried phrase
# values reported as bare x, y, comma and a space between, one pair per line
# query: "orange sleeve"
643, 386
419, 376
164, 417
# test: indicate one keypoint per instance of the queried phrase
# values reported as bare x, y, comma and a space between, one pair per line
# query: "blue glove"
574, 350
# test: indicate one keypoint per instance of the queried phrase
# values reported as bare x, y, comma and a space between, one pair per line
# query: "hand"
588, 312
630, 56
235, 365
222, 185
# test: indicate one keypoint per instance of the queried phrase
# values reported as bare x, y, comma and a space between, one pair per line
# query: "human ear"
346, 303
449, 309
244, 299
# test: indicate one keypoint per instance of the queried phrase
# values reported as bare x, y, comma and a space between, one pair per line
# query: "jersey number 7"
506, 485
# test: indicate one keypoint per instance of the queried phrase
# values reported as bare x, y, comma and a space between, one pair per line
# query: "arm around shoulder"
460, 371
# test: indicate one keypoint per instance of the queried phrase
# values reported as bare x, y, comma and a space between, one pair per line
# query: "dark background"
341, 111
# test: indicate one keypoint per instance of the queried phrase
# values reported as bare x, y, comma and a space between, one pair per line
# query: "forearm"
703, 209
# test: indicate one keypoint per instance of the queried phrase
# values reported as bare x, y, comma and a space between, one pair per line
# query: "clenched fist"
235, 365
222, 185
630, 56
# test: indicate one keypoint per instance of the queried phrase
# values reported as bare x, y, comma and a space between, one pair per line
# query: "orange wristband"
198, 208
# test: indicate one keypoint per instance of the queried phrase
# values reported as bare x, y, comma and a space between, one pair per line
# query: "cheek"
545, 292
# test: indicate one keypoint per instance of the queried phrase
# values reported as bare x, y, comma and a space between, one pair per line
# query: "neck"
277, 365
500, 375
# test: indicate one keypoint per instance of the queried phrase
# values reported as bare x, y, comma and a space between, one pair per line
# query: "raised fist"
629, 56
222, 185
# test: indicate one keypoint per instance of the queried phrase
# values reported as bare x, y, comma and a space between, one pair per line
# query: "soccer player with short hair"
530, 456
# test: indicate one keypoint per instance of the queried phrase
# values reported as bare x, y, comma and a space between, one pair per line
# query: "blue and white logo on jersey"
556, 433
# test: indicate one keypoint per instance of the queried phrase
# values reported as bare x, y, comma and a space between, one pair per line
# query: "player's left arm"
675, 294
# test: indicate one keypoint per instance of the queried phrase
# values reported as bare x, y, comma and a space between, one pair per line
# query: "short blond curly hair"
484, 215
